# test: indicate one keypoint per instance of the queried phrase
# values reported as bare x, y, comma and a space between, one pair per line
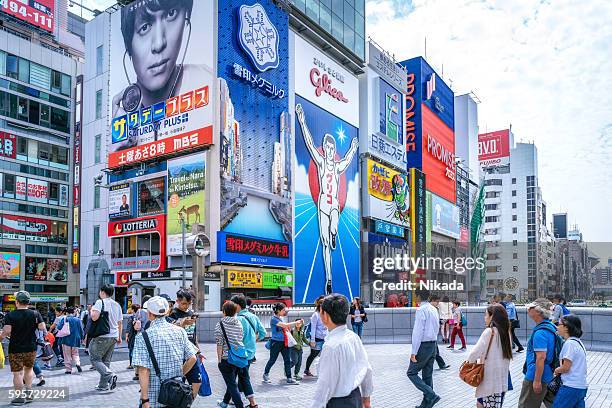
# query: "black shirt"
24, 323
192, 333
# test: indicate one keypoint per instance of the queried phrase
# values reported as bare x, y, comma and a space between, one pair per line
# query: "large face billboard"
39, 13
387, 196
255, 134
186, 198
494, 148
327, 176
161, 79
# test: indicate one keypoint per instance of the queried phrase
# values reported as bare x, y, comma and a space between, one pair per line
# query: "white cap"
157, 305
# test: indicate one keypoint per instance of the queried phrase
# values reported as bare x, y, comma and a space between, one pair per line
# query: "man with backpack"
559, 309
542, 357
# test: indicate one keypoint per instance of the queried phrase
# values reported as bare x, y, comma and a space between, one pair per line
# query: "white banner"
38, 191
21, 187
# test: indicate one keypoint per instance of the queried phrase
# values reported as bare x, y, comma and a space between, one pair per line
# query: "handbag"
473, 373
205, 389
236, 355
515, 323
173, 392
65, 330
555, 384
101, 326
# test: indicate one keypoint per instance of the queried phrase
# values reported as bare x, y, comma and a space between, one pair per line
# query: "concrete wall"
395, 325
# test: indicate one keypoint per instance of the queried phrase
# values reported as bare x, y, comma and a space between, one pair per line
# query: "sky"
543, 66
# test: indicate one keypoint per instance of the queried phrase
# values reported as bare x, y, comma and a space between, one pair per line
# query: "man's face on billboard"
156, 45
330, 149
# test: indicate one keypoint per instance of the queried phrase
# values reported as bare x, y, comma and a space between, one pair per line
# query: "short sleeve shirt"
277, 332
574, 351
543, 340
24, 323
115, 315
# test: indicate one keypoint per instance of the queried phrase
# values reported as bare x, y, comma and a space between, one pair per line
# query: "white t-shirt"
573, 350
115, 315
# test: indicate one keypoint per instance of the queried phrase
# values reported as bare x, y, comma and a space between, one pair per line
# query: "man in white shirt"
101, 348
424, 348
345, 374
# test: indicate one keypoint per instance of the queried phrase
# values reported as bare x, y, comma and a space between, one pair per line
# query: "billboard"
160, 91
439, 156
57, 270
385, 65
21, 188
560, 225
129, 259
494, 148
382, 246
119, 200
152, 196
387, 196
186, 198
9, 266
35, 269
252, 250
8, 145
255, 139
418, 206
22, 228
444, 217
326, 204
258, 279
39, 13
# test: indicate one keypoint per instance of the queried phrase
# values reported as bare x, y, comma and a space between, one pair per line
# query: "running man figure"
329, 170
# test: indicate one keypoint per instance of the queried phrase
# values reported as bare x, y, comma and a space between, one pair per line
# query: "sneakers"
221, 404
112, 383
297, 377
60, 364
308, 374
291, 381
266, 379
18, 401
101, 389
445, 367
520, 350
41, 381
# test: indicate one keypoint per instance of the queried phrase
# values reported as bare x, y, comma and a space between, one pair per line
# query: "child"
296, 351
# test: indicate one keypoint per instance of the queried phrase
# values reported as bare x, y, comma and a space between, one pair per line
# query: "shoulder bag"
473, 373
556, 382
236, 355
65, 331
101, 326
173, 392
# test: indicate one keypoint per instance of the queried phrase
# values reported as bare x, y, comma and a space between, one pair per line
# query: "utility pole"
184, 251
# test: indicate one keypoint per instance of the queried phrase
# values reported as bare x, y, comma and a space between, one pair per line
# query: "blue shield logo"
258, 37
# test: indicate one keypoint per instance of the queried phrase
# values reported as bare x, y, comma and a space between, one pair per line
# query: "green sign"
273, 280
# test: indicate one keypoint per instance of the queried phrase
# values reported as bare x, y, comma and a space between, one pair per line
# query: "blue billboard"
255, 133
326, 204
444, 217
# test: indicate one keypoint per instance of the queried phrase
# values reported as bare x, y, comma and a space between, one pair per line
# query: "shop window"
144, 245
12, 63
9, 186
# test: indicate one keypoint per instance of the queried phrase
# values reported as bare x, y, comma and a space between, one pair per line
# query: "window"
96, 239
96, 197
514, 255
514, 268
9, 186
98, 145
514, 242
513, 205
514, 217
492, 194
66, 85
514, 230
493, 182
12, 64
24, 70
56, 81
513, 193
491, 219
2, 63
513, 180
98, 104
99, 56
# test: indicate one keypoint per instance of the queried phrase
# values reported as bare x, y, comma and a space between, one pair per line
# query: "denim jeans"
101, 352
244, 383
229, 373
425, 360
568, 397
276, 348
296, 360
358, 328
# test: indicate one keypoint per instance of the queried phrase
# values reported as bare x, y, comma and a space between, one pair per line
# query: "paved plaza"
392, 388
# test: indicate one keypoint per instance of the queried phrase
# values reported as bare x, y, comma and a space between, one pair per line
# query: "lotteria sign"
135, 226
325, 83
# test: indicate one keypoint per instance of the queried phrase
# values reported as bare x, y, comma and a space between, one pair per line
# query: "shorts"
19, 361
194, 376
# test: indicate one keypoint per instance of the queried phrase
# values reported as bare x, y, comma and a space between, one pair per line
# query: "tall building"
40, 60
574, 263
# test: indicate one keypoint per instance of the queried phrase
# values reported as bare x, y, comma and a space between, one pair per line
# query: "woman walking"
445, 308
318, 332
278, 344
458, 327
573, 369
71, 342
494, 350
358, 316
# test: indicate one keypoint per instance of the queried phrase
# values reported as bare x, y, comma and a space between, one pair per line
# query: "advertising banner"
494, 148
35, 269
381, 246
387, 196
21, 188
9, 266
38, 191
245, 249
160, 94
25, 228
186, 198
439, 156
119, 201
325, 83
389, 229
418, 213
63, 195
39, 13
274, 280
386, 67
57, 270
560, 225
155, 260
326, 204
255, 139
258, 279
444, 217
152, 197
8, 145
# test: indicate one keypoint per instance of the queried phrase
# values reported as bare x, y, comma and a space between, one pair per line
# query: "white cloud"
301, 180
352, 193
542, 66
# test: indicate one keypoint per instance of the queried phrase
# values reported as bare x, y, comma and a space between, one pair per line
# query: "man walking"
174, 353
435, 302
101, 348
514, 321
540, 356
20, 325
345, 374
424, 348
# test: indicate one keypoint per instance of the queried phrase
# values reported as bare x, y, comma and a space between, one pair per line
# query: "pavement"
389, 361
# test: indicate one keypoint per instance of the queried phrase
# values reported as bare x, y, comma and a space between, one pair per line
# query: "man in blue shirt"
538, 368
514, 321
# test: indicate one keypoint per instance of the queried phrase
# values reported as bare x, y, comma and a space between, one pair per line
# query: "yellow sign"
244, 279
75, 217
75, 258
389, 194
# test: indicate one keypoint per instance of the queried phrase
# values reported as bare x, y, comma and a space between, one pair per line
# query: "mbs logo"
258, 37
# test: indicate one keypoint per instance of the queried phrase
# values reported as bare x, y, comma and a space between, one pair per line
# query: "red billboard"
438, 156
125, 258
39, 13
25, 228
8, 145
494, 148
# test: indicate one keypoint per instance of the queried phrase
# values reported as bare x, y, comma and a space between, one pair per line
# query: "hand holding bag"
290, 339
473, 373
